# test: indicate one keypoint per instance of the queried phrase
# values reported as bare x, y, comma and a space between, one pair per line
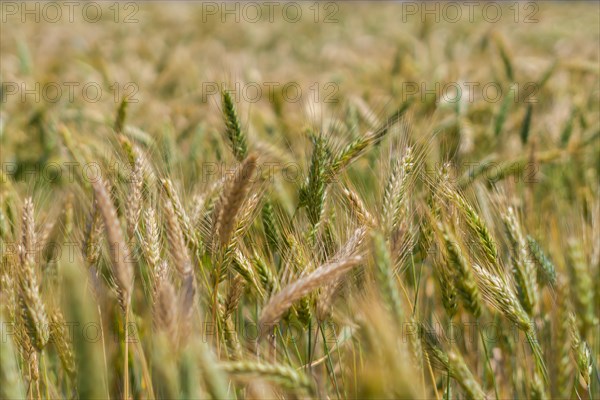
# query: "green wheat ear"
385, 277
546, 269
233, 129
121, 115
270, 226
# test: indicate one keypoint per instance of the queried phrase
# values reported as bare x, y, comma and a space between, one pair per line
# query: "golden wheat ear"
232, 198
33, 308
121, 263
283, 300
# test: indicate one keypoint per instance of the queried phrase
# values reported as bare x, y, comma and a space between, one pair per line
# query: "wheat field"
208, 200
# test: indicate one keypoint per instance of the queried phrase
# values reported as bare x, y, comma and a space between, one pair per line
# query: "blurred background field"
169, 58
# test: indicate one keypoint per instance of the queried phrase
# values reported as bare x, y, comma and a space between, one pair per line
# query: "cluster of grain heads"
335, 272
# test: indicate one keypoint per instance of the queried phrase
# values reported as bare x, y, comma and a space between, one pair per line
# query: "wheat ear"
233, 129
523, 267
283, 300
231, 200
284, 375
465, 281
175, 237
32, 305
121, 268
